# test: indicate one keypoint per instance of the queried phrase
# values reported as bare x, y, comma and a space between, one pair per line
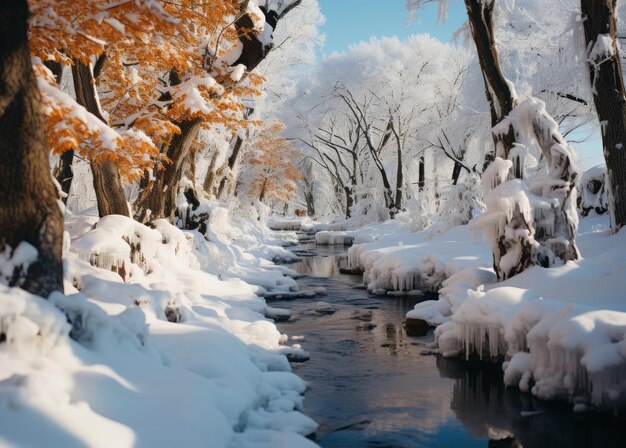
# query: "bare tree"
338, 150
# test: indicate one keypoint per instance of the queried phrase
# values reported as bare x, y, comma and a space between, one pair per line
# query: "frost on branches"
533, 221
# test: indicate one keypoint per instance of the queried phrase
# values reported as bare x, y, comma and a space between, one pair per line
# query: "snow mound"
398, 260
561, 333
154, 345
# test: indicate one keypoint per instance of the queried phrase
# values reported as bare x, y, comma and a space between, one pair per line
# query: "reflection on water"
371, 387
482, 403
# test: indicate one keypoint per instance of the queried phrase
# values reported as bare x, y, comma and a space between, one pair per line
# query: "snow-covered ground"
560, 332
167, 346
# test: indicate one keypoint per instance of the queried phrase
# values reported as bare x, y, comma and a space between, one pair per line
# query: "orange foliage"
166, 62
273, 169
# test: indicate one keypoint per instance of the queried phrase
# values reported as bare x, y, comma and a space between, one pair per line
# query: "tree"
525, 224
607, 84
31, 223
271, 171
78, 34
238, 48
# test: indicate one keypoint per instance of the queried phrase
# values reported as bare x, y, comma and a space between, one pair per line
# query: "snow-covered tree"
532, 223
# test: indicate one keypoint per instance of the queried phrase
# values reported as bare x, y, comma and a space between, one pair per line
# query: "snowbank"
396, 259
158, 343
561, 331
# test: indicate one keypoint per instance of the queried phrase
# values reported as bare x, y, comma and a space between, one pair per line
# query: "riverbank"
561, 331
369, 384
159, 340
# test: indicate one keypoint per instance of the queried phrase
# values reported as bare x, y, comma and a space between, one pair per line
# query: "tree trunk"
456, 172
399, 180
209, 179
421, 182
230, 166
498, 91
609, 94
64, 172
57, 70
29, 211
107, 181
263, 188
158, 198
349, 201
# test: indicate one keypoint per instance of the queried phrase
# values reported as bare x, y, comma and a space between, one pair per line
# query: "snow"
15, 263
237, 72
395, 259
560, 331
158, 342
602, 49
593, 192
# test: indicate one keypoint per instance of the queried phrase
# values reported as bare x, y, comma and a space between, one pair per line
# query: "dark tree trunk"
497, 89
107, 181
399, 180
158, 198
57, 70
349, 201
421, 182
29, 211
609, 94
64, 172
310, 203
456, 172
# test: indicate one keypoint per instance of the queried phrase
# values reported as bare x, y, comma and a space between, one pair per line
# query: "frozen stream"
375, 388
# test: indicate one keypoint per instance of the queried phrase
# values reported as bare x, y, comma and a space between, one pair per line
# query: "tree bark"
608, 87
349, 201
230, 166
63, 171
209, 179
29, 211
107, 181
421, 182
498, 91
158, 198
399, 179
456, 172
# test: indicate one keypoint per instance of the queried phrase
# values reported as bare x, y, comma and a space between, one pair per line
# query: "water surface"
375, 387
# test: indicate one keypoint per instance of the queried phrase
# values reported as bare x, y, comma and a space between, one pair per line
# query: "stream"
370, 385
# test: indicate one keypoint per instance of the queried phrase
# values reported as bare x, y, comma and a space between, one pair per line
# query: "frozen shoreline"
560, 331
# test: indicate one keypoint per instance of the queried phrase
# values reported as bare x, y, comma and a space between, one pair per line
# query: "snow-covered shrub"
461, 205
132, 249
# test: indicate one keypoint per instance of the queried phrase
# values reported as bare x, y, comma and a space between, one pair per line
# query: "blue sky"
352, 21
